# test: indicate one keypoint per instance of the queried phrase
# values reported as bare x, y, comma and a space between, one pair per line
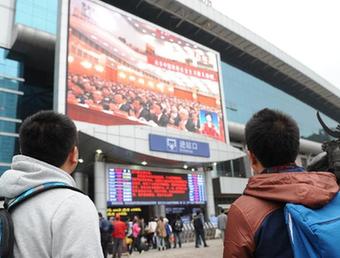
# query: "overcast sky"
307, 30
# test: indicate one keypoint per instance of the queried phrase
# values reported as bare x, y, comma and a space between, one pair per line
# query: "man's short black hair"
273, 137
48, 136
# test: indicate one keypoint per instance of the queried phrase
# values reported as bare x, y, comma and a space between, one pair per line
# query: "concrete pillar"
155, 211
210, 194
86, 184
162, 210
100, 186
214, 173
79, 179
159, 210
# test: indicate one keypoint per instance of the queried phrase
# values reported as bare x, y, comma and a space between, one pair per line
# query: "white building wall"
100, 186
232, 185
136, 138
210, 194
6, 21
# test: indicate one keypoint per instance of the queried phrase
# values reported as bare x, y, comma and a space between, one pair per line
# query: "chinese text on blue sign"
178, 146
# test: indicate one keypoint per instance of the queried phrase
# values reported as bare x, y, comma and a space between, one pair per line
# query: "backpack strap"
10, 205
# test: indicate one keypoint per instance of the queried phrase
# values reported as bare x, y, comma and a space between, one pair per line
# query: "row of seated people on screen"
91, 87
136, 103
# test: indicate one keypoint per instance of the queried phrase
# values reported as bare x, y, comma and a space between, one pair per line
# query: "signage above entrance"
178, 146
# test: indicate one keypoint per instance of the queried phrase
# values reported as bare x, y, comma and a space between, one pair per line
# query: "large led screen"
125, 71
129, 186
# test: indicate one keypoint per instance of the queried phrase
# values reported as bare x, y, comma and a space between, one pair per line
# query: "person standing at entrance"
199, 229
168, 230
222, 222
161, 234
136, 235
105, 232
118, 236
177, 230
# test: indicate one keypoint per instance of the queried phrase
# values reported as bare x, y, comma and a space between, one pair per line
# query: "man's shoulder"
73, 202
246, 201
66, 195
54, 198
254, 210
78, 198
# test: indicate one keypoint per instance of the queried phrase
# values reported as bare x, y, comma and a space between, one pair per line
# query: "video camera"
329, 159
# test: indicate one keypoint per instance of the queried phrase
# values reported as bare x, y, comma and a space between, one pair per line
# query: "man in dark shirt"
105, 235
199, 229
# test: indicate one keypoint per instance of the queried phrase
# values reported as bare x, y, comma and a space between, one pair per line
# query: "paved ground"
187, 251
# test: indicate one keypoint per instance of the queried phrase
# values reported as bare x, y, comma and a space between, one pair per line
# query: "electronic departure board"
129, 186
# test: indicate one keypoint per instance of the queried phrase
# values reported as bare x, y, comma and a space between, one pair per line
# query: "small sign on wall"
178, 146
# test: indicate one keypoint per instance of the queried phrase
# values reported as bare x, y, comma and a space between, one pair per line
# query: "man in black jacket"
105, 233
177, 228
199, 229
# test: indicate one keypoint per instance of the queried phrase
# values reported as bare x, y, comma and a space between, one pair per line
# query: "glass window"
39, 14
8, 107
224, 169
245, 95
7, 147
232, 168
8, 127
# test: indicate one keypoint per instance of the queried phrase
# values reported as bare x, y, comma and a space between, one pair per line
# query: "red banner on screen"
182, 68
146, 184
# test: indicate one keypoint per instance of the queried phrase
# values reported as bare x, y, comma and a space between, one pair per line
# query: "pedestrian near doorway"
199, 230
136, 236
222, 222
177, 231
105, 233
161, 234
119, 234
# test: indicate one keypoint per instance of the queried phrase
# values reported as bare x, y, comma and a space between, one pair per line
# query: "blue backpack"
314, 233
168, 229
6, 223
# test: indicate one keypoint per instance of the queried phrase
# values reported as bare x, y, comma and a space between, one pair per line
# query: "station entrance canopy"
118, 152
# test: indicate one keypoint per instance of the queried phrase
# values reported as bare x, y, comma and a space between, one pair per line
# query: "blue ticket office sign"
178, 146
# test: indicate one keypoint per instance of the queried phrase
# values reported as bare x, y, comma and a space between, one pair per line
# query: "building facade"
254, 73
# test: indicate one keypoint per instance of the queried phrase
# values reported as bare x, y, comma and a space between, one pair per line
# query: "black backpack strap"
10, 205
6, 234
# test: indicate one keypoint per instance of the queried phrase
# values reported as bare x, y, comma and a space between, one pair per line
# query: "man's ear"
74, 155
255, 163
72, 161
252, 158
